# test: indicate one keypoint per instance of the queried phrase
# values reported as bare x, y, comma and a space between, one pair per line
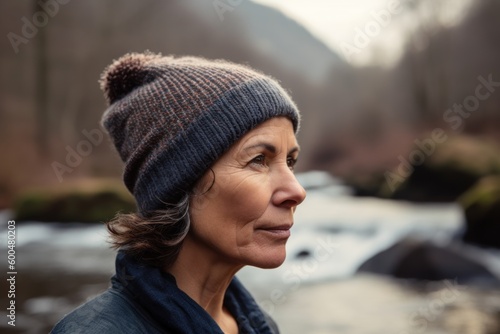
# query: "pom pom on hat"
125, 74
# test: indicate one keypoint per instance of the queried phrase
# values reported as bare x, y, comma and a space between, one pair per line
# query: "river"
315, 291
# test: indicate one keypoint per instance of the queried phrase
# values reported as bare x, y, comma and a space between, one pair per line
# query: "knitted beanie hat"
171, 118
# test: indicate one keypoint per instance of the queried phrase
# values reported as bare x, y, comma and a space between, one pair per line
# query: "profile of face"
245, 216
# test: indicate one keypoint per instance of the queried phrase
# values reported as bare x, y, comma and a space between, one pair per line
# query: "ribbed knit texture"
171, 118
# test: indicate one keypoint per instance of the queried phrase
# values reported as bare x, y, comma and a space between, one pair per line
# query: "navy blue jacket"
144, 299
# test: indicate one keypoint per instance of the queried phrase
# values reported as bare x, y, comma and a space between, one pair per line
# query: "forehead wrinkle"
269, 147
265, 135
269, 144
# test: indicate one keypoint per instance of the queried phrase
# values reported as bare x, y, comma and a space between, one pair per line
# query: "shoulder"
272, 324
111, 312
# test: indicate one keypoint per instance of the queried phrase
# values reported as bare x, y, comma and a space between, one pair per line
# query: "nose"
288, 191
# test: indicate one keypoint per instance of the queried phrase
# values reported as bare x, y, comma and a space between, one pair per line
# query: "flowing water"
314, 291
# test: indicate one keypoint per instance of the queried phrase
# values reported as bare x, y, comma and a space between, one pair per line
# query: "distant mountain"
274, 35
279, 36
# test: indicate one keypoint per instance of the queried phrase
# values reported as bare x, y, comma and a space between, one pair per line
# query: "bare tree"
429, 54
41, 89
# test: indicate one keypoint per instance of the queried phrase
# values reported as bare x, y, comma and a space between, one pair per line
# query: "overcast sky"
338, 22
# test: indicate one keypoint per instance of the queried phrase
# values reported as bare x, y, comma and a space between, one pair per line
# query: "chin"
271, 259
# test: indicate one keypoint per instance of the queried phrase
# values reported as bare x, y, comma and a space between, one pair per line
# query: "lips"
279, 231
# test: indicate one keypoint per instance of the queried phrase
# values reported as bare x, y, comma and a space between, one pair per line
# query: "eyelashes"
291, 162
261, 161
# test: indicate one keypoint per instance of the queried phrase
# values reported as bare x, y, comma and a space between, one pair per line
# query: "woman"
209, 149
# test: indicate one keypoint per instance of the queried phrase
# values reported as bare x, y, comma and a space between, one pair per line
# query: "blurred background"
400, 153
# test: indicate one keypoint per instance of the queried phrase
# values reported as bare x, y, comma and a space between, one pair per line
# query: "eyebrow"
271, 148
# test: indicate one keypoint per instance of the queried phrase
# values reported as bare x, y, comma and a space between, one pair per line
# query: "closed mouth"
278, 231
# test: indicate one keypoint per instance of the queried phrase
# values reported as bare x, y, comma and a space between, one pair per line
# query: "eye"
259, 160
291, 161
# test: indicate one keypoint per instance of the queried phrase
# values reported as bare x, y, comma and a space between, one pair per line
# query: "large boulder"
443, 172
82, 201
422, 260
482, 212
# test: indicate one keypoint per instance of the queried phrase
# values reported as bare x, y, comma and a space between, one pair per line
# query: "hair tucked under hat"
171, 118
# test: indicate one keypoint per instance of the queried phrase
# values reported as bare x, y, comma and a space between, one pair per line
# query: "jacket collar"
157, 293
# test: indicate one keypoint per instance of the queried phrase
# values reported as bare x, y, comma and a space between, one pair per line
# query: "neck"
203, 277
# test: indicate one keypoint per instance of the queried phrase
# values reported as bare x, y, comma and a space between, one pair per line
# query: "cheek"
227, 212
234, 200
247, 199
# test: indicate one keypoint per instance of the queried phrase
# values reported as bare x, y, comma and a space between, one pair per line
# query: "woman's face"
246, 216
